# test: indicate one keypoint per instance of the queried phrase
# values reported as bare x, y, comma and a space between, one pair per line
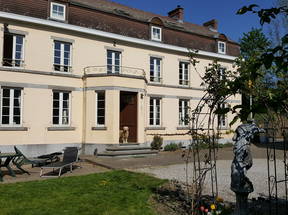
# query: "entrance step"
127, 148
130, 153
129, 144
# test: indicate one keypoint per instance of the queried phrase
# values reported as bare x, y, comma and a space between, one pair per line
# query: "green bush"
157, 142
171, 147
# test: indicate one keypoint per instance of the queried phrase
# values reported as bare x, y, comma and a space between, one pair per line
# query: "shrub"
157, 142
171, 147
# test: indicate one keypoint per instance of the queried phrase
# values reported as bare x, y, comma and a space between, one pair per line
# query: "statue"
125, 134
240, 183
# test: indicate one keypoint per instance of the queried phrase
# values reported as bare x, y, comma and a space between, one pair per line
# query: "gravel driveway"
257, 174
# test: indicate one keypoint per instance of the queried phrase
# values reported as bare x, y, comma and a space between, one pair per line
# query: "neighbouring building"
74, 72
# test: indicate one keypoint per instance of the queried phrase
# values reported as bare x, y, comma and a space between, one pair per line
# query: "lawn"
110, 193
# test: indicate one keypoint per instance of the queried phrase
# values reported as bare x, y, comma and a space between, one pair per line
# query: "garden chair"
69, 158
23, 160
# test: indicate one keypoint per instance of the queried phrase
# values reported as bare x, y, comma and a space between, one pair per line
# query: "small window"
154, 112
222, 73
61, 108
222, 118
183, 112
184, 73
13, 53
100, 108
62, 56
221, 47
155, 69
58, 11
113, 61
156, 33
11, 107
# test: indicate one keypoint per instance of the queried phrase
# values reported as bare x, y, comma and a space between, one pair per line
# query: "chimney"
177, 13
212, 25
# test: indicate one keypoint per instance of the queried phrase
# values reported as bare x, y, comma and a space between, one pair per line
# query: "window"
11, 106
184, 73
183, 112
13, 53
61, 108
156, 33
221, 73
155, 69
113, 61
222, 118
154, 115
100, 108
62, 56
58, 11
221, 47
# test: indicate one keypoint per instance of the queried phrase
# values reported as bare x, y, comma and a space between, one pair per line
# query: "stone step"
131, 153
129, 144
127, 148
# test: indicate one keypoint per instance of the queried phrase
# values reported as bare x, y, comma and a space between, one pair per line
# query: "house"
74, 72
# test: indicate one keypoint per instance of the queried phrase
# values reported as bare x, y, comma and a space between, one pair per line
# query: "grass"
110, 193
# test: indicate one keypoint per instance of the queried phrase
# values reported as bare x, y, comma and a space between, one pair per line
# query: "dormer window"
222, 47
58, 11
156, 33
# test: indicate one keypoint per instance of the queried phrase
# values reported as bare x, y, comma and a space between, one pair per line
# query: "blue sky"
200, 11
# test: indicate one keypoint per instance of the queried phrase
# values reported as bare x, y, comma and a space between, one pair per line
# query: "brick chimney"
212, 25
177, 13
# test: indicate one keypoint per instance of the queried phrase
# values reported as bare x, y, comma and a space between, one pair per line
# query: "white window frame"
156, 38
154, 110
60, 124
11, 107
221, 50
56, 16
183, 112
182, 68
14, 36
113, 65
62, 51
156, 77
222, 118
96, 109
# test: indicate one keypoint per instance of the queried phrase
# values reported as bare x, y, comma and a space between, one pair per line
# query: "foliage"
172, 147
157, 142
115, 192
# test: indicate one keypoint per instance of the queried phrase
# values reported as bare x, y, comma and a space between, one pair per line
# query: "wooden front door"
128, 114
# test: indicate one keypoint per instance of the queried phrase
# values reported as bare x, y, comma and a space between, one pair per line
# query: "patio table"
9, 157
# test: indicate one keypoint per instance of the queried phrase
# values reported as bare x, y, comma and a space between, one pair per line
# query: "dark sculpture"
240, 183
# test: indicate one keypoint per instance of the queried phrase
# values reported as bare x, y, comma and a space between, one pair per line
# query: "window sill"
154, 128
183, 128
61, 128
13, 129
99, 128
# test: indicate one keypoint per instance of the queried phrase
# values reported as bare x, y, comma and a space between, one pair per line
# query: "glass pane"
101, 120
6, 92
5, 120
65, 104
109, 54
67, 47
101, 104
65, 96
57, 45
55, 120
6, 102
55, 112
5, 111
16, 120
100, 112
